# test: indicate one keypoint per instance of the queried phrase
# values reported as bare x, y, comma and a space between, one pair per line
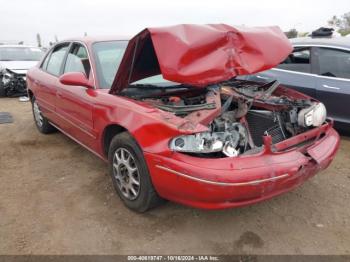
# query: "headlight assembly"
228, 142
198, 143
314, 115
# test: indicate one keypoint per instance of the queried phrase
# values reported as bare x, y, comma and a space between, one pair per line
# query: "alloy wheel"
37, 114
126, 173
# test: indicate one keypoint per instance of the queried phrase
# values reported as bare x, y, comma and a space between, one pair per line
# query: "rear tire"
40, 120
130, 174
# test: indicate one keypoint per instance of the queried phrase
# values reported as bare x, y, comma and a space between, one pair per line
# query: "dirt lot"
56, 198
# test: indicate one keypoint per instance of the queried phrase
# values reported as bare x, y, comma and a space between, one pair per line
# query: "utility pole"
38, 39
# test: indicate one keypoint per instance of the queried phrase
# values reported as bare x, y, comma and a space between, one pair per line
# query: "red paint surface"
85, 114
200, 55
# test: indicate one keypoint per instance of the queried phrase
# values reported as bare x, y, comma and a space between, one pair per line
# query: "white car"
15, 60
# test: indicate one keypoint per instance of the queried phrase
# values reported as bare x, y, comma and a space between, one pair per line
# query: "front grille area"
276, 134
264, 122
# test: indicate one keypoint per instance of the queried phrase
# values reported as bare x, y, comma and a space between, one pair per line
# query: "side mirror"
75, 79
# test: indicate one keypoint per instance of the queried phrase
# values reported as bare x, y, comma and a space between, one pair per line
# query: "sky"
21, 20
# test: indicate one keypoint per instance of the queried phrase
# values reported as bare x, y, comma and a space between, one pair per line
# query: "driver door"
74, 104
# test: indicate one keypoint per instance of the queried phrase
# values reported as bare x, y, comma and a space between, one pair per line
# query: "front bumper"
233, 182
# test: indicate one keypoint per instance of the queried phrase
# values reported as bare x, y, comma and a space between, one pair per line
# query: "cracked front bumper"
233, 182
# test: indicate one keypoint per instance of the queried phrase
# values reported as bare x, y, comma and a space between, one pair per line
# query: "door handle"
331, 87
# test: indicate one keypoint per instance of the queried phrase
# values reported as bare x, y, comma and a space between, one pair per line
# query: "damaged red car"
166, 111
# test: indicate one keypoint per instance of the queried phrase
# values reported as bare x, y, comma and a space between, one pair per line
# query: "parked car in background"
166, 112
15, 60
320, 68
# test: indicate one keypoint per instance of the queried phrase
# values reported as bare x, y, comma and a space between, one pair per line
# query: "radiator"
264, 123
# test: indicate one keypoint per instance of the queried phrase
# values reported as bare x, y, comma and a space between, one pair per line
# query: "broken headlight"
315, 115
228, 142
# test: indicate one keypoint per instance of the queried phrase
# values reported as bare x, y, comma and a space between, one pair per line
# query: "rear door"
46, 82
333, 82
296, 71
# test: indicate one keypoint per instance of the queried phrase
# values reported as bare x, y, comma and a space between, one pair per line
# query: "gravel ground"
57, 198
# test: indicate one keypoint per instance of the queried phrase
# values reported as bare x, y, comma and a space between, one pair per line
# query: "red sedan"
166, 111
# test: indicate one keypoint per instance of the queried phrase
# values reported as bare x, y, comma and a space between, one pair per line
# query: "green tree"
38, 39
342, 24
303, 34
334, 21
292, 33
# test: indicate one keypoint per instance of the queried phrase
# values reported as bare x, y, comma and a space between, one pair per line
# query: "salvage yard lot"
57, 198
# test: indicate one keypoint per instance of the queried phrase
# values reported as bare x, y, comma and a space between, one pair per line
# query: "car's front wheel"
41, 122
130, 175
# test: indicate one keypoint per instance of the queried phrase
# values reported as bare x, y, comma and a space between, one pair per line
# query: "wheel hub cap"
126, 173
37, 114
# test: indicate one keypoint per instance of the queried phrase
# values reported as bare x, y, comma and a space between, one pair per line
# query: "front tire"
130, 175
41, 121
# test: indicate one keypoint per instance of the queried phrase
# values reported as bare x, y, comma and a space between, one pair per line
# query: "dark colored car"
320, 68
166, 112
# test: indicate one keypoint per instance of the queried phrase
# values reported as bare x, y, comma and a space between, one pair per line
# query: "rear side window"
56, 59
78, 61
333, 62
299, 60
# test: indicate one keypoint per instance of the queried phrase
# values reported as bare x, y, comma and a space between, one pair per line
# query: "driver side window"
77, 60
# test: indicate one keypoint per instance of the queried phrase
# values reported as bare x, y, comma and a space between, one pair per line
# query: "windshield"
20, 54
108, 56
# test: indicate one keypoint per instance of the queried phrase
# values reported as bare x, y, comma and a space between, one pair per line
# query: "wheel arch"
109, 132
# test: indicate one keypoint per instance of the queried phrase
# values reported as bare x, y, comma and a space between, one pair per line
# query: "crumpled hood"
19, 67
200, 55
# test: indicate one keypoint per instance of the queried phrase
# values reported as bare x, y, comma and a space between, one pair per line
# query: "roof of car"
93, 39
329, 41
23, 46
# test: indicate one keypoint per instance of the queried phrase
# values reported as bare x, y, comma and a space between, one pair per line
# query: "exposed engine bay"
12, 84
238, 115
